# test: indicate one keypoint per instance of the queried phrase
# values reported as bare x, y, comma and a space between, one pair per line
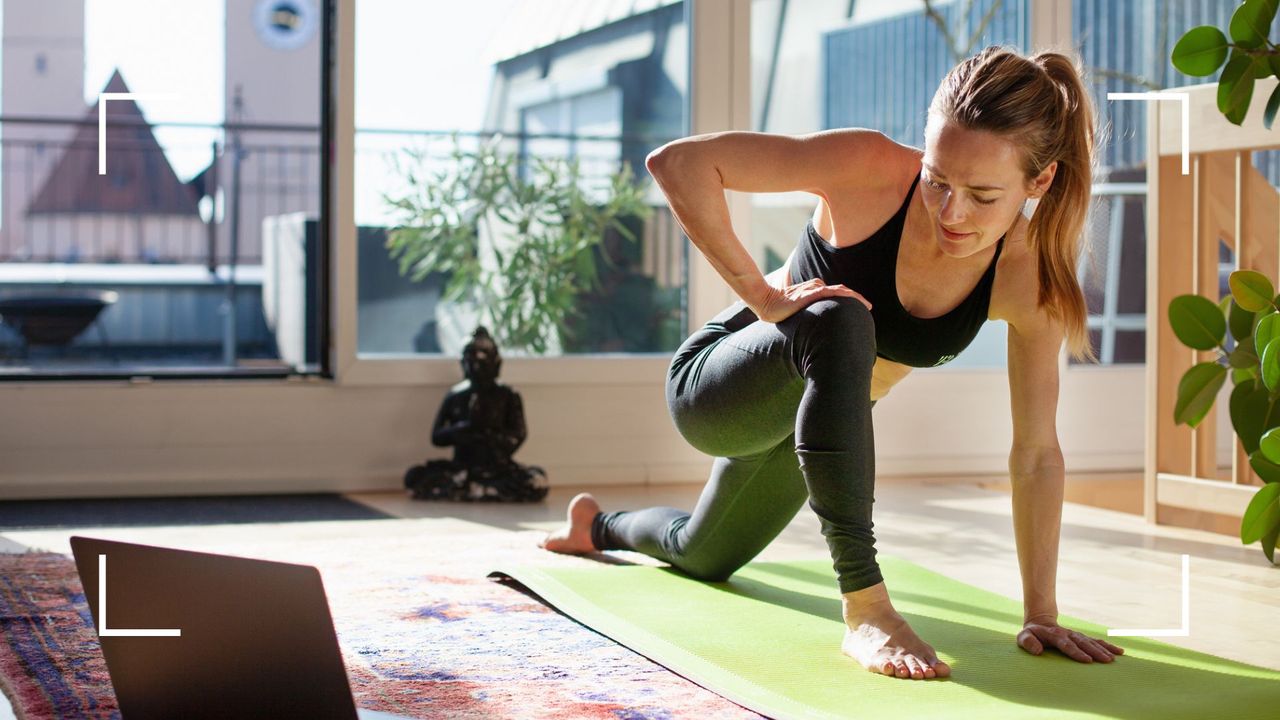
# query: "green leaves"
1201, 51
1248, 53
1262, 518
1262, 515
1265, 331
1251, 22
1196, 392
1197, 322
1253, 412
1267, 470
519, 237
1235, 87
1269, 543
1251, 289
1239, 320
1269, 445
1273, 104
1271, 364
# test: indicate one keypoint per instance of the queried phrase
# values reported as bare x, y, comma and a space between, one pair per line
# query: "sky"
419, 63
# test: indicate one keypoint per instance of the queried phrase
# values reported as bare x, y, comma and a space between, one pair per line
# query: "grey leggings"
785, 409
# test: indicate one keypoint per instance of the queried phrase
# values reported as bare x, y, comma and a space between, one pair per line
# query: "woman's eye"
942, 186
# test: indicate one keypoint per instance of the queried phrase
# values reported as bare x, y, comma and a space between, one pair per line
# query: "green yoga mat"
769, 639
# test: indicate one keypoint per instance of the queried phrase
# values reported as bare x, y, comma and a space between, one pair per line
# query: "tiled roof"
139, 179
534, 25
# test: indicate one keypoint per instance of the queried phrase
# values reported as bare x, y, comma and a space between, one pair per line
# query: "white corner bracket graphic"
1183, 631
103, 629
102, 122
1186, 117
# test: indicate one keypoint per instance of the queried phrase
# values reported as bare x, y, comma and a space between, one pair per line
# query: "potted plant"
1247, 53
1249, 314
522, 251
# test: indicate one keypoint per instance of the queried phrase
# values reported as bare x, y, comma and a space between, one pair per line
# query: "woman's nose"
951, 213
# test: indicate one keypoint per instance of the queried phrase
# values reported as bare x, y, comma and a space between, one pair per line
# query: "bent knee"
842, 313
842, 325
708, 569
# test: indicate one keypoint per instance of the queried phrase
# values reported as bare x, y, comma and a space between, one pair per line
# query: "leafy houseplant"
1250, 313
522, 250
1248, 53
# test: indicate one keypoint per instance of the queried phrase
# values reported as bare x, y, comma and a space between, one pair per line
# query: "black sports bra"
870, 268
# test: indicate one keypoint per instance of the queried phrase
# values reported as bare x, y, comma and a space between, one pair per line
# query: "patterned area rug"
423, 632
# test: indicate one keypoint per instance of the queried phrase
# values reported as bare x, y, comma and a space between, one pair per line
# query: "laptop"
196, 635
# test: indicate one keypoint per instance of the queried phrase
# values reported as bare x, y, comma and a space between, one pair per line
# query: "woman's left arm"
1037, 474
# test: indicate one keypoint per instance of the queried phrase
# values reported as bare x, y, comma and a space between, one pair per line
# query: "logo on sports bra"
943, 359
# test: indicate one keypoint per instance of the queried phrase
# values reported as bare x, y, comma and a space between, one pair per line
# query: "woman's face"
973, 187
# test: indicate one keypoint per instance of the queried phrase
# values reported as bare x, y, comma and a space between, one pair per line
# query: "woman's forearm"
1037, 521
695, 192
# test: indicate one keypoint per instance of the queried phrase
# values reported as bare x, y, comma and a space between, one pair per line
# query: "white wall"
99, 439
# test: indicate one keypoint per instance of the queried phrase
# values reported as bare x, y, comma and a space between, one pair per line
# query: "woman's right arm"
694, 172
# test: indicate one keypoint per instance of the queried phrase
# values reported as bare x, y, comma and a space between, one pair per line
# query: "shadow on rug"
211, 510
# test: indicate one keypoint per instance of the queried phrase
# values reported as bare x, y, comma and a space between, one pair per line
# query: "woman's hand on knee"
781, 303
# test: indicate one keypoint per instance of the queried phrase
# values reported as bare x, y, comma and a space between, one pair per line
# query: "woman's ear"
1040, 185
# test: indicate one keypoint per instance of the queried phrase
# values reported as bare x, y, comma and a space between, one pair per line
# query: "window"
1125, 47
510, 191
196, 252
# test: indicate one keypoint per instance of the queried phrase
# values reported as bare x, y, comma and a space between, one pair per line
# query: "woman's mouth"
952, 235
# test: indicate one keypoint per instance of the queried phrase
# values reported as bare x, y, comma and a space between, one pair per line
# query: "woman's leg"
745, 504
785, 408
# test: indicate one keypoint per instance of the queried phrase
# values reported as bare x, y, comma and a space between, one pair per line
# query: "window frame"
719, 40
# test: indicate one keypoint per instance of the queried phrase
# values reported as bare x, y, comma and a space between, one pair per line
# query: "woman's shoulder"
869, 191
1016, 288
885, 169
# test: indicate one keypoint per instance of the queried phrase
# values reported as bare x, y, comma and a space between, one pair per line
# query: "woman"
908, 253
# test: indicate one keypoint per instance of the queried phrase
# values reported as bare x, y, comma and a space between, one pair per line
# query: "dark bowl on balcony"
54, 319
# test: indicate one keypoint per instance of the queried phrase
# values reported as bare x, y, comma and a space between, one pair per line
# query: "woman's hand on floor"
1037, 635
782, 303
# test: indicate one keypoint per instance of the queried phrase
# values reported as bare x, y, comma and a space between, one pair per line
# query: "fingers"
1075, 645
1082, 648
842, 291
1028, 641
1115, 649
1070, 649
1095, 649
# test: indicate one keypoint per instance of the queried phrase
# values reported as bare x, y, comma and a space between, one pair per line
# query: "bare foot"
575, 537
881, 641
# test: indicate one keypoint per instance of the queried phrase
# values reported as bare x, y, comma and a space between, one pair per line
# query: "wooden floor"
1114, 568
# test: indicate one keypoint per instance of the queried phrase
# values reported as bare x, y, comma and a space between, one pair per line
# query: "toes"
901, 667
887, 668
917, 667
942, 669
